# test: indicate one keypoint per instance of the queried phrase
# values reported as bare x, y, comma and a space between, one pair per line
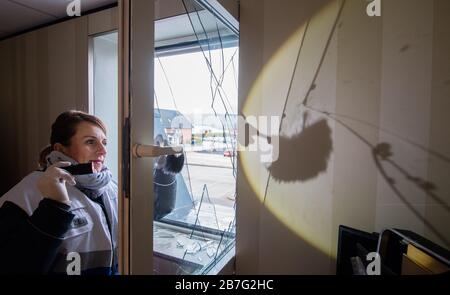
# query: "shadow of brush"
303, 156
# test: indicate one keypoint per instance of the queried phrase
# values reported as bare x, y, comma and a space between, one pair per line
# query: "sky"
190, 80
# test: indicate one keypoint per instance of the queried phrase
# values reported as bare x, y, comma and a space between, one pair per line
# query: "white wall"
43, 73
367, 82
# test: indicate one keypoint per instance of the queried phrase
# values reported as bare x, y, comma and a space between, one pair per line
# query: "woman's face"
87, 145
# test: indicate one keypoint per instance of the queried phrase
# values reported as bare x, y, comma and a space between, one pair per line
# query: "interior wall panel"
43, 73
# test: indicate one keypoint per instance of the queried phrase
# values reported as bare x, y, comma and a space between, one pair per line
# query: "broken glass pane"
196, 108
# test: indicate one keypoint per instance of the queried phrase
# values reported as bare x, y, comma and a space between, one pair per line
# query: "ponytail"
43, 156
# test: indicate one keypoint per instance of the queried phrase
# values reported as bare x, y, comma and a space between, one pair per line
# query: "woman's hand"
52, 184
97, 167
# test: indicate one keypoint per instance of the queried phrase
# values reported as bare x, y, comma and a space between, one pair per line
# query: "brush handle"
140, 150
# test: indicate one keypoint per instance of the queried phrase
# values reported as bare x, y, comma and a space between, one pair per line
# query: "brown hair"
64, 127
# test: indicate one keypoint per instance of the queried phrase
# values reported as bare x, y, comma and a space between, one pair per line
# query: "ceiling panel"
16, 18
87, 5
20, 15
56, 8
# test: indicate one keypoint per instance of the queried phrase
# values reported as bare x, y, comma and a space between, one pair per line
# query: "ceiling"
20, 15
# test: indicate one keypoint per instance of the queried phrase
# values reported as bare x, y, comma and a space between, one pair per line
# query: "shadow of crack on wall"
303, 156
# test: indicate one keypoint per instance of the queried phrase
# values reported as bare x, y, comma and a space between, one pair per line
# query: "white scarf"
93, 185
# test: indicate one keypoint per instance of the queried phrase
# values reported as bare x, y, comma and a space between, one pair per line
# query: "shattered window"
195, 101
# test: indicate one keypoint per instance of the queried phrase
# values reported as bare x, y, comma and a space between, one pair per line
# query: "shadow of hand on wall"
382, 152
303, 156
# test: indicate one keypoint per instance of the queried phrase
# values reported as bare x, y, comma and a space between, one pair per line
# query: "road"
216, 172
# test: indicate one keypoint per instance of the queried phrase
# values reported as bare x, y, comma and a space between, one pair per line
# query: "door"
177, 221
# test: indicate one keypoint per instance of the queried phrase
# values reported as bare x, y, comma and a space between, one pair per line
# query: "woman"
54, 222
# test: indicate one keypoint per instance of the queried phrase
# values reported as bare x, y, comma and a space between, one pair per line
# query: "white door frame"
136, 52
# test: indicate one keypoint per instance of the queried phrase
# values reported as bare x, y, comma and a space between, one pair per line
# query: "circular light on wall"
305, 213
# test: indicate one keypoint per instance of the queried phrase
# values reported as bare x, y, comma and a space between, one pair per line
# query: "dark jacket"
29, 244
38, 235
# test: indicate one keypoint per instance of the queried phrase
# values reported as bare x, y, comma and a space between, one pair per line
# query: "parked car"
229, 153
